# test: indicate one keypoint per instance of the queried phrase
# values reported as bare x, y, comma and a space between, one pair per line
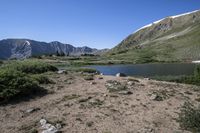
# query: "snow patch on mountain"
149, 25
158, 21
184, 14
27, 43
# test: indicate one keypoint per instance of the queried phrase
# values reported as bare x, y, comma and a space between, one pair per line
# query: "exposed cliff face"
179, 33
23, 48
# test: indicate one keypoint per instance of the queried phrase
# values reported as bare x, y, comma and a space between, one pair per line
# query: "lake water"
147, 70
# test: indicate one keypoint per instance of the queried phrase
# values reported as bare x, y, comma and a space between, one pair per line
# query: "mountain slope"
175, 38
23, 48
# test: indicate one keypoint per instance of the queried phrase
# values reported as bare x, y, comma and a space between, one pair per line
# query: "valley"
148, 83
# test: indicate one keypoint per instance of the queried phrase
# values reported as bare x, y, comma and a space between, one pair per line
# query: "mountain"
24, 48
174, 38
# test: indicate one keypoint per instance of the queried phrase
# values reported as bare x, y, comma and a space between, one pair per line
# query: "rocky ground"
106, 104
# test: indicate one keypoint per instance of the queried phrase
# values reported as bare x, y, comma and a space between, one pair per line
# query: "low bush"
192, 79
32, 67
22, 78
88, 77
42, 79
114, 86
15, 83
189, 117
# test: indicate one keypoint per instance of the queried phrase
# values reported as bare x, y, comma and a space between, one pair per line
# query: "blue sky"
95, 23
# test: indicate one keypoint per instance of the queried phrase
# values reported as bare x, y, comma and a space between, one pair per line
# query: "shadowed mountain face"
175, 38
23, 48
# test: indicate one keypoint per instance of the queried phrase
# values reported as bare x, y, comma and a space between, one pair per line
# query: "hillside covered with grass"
173, 39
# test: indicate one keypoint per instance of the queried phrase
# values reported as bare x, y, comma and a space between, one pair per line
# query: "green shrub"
33, 67
42, 79
114, 86
192, 79
189, 117
15, 83
88, 77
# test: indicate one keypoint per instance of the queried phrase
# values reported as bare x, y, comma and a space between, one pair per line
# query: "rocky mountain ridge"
24, 48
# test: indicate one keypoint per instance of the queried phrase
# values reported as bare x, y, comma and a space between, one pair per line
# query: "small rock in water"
120, 75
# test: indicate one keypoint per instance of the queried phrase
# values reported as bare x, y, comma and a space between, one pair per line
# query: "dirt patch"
80, 106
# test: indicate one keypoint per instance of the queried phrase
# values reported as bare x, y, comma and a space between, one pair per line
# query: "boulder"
120, 75
48, 128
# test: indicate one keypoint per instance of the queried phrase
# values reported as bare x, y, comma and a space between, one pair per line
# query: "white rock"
43, 121
58, 126
61, 71
49, 128
120, 75
153, 96
46, 126
130, 83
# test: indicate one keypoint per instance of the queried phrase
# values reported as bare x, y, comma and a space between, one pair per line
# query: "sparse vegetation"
189, 117
160, 95
89, 123
114, 86
70, 97
96, 102
88, 77
34, 131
